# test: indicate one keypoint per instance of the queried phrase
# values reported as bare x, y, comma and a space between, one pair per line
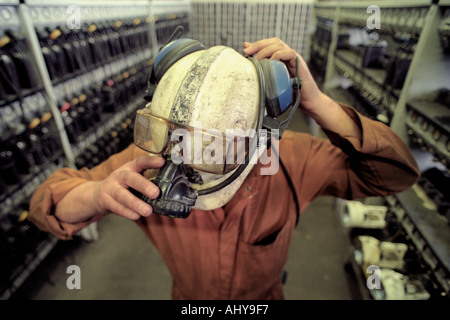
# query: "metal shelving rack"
150, 21
412, 108
232, 22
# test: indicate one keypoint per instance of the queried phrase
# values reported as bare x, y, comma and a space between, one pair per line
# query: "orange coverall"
238, 251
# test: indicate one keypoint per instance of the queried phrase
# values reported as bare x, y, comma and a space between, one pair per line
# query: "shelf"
435, 112
395, 16
429, 231
370, 80
89, 138
352, 58
321, 51
425, 25
337, 93
24, 271
351, 266
375, 77
428, 126
363, 4
15, 195
134, 58
25, 93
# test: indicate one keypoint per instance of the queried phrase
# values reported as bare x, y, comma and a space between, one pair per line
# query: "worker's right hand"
276, 49
112, 194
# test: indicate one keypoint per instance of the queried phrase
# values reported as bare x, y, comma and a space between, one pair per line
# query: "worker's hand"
324, 110
112, 194
276, 49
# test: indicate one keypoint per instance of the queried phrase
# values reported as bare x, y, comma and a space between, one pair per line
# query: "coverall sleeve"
61, 182
379, 165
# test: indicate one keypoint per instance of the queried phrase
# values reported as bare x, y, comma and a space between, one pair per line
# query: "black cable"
176, 34
298, 85
290, 183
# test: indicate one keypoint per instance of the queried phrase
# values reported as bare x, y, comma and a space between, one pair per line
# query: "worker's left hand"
276, 49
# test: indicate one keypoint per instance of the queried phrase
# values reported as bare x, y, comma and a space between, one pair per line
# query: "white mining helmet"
206, 111
224, 98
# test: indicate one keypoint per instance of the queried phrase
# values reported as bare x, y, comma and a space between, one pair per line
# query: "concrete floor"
123, 264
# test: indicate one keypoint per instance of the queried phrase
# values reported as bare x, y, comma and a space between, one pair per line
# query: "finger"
251, 48
289, 57
269, 51
143, 163
122, 210
137, 181
284, 55
265, 48
247, 44
132, 204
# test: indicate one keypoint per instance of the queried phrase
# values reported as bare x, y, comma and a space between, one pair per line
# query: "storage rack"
83, 70
232, 22
407, 88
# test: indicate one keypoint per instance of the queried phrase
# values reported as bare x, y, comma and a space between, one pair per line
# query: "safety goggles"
205, 150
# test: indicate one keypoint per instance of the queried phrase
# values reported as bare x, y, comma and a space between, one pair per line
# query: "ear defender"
278, 87
168, 55
277, 93
172, 52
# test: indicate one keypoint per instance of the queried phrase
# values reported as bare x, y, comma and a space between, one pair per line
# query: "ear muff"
277, 86
172, 52
277, 93
168, 55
